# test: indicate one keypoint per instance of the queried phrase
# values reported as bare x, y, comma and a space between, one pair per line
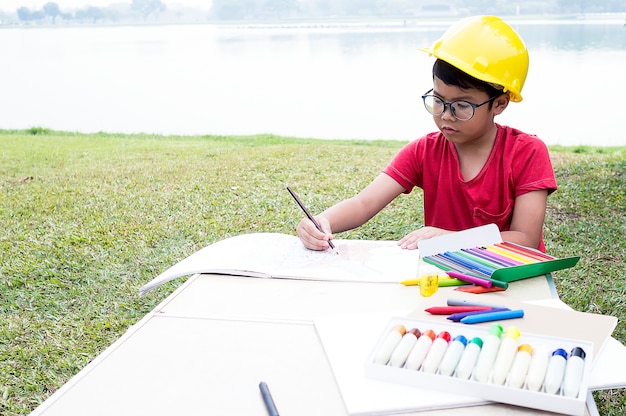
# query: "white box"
516, 396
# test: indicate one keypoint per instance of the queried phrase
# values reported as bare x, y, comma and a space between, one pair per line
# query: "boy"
472, 171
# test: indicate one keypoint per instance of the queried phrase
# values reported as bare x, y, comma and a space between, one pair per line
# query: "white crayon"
436, 353
555, 371
519, 369
537, 368
506, 355
488, 353
453, 355
389, 344
468, 359
574, 372
420, 350
404, 347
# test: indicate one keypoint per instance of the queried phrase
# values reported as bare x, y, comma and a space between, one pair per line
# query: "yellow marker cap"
429, 284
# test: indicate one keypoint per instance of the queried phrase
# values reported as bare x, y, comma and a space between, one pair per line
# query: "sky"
12, 5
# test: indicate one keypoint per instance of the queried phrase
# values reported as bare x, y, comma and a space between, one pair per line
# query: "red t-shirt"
518, 163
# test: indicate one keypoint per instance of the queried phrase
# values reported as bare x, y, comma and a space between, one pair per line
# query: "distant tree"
91, 13
38, 15
147, 7
233, 9
24, 14
52, 9
280, 8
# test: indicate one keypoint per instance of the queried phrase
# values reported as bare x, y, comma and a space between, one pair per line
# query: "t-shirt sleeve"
533, 167
404, 168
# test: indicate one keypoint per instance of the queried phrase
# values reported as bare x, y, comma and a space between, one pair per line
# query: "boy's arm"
528, 217
350, 213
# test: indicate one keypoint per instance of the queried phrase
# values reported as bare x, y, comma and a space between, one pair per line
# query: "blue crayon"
456, 317
493, 316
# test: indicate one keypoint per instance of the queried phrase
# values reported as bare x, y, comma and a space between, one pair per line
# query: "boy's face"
480, 127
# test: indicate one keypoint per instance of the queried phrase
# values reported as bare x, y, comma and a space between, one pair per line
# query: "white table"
205, 348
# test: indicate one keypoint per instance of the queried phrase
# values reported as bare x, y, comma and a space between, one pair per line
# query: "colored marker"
487, 252
446, 264
448, 310
477, 259
506, 355
497, 283
468, 358
510, 254
468, 263
493, 316
463, 302
527, 250
574, 372
488, 353
555, 371
456, 317
489, 257
453, 354
467, 278
443, 282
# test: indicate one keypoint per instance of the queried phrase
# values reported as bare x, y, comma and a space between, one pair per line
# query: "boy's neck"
473, 155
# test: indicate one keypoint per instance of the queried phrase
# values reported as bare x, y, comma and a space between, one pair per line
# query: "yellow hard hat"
488, 49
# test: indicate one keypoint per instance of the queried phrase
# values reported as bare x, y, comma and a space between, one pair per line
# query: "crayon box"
487, 389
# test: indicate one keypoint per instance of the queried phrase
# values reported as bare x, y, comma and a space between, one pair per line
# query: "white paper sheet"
283, 256
363, 396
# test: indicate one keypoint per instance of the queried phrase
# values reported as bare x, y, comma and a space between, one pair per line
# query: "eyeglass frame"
449, 104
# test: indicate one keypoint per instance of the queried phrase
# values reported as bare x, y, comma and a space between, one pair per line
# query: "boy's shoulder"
515, 136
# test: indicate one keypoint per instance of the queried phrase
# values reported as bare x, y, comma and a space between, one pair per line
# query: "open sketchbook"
283, 256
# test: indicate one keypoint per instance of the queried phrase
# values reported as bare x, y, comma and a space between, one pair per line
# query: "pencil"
308, 214
267, 399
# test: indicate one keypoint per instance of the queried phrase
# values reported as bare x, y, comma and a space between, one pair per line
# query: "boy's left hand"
411, 240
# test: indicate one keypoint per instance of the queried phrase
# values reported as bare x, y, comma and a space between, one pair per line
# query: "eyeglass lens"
462, 110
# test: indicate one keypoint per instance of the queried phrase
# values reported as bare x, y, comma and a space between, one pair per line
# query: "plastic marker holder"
457, 373
489, 258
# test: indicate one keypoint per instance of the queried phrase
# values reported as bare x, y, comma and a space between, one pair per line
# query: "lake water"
325, 81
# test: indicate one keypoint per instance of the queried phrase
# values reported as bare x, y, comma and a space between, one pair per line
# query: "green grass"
85, 220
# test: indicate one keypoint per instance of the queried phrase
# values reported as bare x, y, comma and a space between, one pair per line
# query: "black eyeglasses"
462, 110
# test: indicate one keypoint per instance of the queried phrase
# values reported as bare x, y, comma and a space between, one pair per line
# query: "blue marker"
468, 263
493, 316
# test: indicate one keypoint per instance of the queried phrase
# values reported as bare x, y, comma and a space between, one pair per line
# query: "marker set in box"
491, 363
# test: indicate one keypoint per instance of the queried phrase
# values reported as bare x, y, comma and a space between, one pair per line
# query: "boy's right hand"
311, 237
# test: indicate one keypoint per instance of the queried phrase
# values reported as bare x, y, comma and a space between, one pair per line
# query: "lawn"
87, 219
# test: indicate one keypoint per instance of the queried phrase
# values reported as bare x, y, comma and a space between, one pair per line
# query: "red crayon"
449, 310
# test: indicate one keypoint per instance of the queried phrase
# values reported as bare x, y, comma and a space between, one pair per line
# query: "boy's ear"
501, 103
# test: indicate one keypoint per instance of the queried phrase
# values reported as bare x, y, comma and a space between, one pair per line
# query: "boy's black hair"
451, 75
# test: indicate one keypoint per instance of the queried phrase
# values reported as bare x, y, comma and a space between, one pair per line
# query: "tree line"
156, 10
52, 12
